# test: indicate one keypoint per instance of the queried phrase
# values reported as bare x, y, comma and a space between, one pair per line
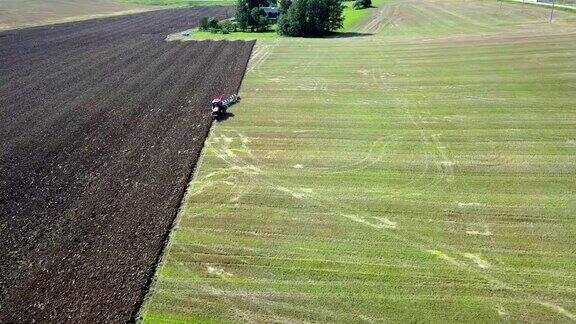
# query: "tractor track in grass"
102, 123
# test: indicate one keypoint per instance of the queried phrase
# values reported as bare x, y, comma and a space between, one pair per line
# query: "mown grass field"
421, 172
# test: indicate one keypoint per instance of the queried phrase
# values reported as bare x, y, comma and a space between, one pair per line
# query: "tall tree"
246, 17
335, 18
242, 14
260, 19
311, 18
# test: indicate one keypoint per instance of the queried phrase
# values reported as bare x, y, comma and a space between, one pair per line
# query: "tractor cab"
218, 109
219, 106
217, 103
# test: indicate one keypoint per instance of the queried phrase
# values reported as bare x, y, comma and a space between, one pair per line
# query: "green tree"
213, 23
259, 19
246, 17
311, 18
283, 6
335, 18
242, 14
228, 26
204, 23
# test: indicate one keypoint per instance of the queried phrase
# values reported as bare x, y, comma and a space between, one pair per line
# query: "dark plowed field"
101, 124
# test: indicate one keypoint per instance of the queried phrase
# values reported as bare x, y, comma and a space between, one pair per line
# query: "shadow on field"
226, 116
337, 35
349, 35
230, 105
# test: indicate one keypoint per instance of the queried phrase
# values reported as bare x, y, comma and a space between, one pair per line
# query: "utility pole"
552, 11
501, 4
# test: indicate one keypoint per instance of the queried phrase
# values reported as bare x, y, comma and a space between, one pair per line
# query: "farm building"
271, 12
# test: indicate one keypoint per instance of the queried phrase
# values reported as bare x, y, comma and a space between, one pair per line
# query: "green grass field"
421, 171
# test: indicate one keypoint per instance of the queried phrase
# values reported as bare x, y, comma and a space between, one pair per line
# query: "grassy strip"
196, 34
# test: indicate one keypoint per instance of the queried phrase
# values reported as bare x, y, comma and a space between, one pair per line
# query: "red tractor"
219, 106
218, 109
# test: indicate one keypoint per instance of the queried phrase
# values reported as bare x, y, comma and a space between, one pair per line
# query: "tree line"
310, 17
251, 16
297, 17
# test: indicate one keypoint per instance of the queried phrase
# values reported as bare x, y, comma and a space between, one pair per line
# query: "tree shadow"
348, 35
335, 35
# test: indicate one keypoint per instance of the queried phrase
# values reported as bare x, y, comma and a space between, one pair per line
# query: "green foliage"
311, 18
362, 4
259, 19
213, 23
250, 16
203, 24
209, 24
242, 14
283, 6
217, 27
335, 17
228, 26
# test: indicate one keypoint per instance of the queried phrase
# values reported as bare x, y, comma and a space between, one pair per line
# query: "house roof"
272, 10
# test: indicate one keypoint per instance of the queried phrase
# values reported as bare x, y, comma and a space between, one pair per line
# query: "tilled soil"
101, 124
